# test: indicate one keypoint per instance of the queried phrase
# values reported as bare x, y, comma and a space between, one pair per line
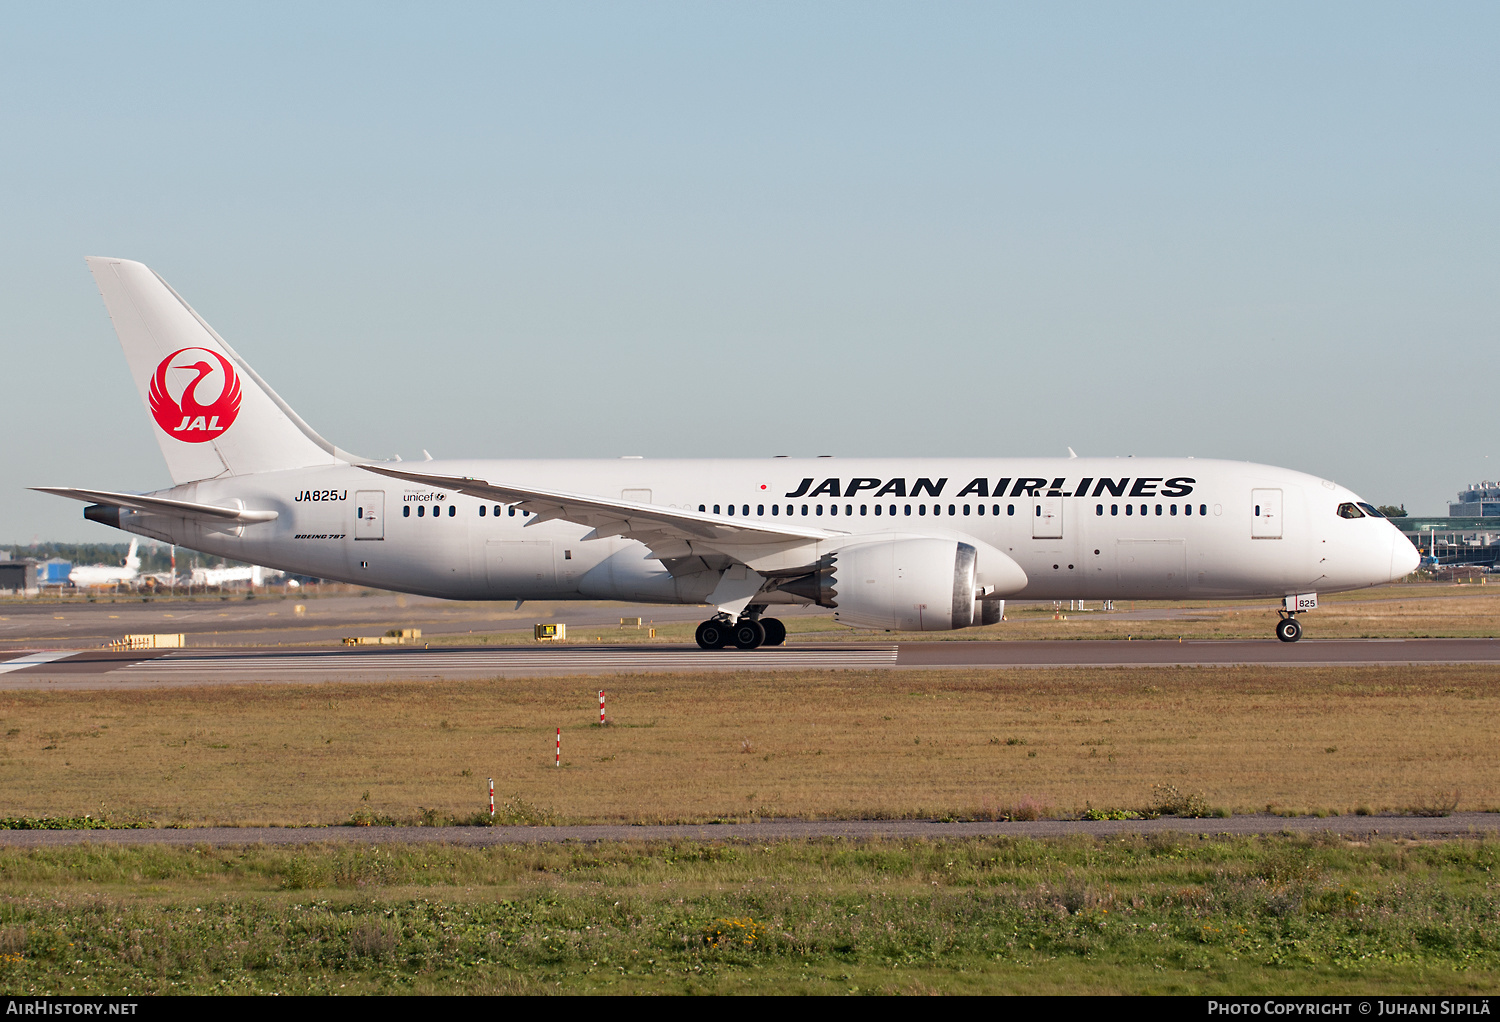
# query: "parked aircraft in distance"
895, 543
87, 575
252, 573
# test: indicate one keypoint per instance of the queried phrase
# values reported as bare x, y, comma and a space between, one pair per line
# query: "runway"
1459, 825
106, 669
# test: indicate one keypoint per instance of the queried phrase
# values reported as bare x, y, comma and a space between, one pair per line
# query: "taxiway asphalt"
150, 668
1458, 825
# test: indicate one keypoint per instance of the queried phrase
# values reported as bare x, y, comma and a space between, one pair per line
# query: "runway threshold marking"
501, 659
32, 659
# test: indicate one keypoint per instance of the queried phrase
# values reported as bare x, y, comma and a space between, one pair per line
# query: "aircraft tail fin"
133, 559
212, 414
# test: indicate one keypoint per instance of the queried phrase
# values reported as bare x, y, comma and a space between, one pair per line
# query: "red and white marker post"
492, 797
601, 708
559, 747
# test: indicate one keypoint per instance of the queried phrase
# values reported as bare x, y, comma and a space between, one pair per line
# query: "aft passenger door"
1047, 518
1266, 520
369, 514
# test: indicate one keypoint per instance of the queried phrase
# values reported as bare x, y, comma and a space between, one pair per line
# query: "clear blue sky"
1268, 232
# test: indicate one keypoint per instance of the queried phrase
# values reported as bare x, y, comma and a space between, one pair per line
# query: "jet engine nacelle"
914, 583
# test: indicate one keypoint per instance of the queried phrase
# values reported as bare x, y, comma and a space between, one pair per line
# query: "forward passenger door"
1266, 520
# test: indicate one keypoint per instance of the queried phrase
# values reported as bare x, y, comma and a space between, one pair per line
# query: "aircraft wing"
653, 524
163, 506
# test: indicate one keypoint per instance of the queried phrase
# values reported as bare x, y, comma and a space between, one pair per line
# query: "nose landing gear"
1288, 629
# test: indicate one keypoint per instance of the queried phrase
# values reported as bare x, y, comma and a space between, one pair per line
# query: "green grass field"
812, 744
1164, 914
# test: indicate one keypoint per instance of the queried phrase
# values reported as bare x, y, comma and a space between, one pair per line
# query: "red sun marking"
186, 418
762, 486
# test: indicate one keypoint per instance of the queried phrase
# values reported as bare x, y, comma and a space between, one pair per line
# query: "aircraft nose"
1404, 556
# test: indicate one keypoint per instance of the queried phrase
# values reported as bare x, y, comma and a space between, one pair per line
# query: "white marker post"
492, 798
601, 707
559, 747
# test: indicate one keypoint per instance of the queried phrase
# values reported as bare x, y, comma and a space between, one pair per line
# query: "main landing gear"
746, 633
1288, 629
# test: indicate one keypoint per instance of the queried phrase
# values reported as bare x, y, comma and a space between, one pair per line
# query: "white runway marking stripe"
32, 659
503, 659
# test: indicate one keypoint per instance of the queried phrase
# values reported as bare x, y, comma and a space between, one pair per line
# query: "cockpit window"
1350, 511
1369, 510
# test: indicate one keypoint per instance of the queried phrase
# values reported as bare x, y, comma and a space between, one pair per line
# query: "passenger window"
1203, 509
406, 511
818, 509
1158, 510
1174, 509
922, 509
848, 509
833, 509
1010, 509
1099, 510
877, 510
1143, 509
496, 511
452, 510
1129, 509
1257, 510
908, 510
745, 510
760, 510
481, 510
1114, 509
980, 509
893, 510
775, 510
1039, 510
716, 509
1347, 511
421, 510
966, 510
863, 508
702, 508
1187, 509
950, 510
731, 510
512, 511
804, 510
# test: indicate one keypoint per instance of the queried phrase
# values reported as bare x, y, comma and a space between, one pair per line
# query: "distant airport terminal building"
1480, 500
1469, 535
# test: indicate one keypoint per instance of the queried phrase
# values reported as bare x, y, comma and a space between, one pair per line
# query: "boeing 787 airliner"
923, 543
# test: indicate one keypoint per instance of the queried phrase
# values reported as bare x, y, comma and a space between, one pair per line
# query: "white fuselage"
1087, 528
102, 575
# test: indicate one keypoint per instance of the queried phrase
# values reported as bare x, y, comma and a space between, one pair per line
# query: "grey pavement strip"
491, 659
1458, 825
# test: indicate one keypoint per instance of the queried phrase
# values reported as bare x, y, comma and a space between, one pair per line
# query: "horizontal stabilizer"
163, 506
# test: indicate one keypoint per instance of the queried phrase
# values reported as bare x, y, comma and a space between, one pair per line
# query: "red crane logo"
187, 417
